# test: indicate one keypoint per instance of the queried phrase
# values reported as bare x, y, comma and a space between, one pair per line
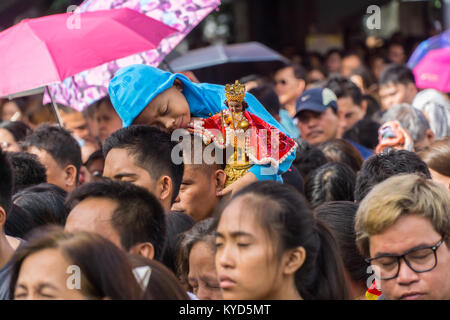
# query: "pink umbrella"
433, 71
38, 52
88, 86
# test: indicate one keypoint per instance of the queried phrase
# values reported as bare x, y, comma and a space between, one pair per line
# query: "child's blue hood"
133, 87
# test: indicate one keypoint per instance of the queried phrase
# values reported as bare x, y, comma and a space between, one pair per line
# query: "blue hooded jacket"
133, 87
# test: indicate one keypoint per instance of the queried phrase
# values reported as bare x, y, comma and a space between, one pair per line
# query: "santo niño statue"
252, 139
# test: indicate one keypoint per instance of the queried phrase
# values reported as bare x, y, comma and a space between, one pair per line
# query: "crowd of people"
99, 209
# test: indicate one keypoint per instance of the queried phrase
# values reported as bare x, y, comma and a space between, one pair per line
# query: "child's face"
169, 110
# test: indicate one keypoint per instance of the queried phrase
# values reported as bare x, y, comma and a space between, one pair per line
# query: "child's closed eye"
164, 110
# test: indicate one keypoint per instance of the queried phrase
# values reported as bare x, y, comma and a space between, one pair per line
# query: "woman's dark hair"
285, 215
44, 203
177, 223
334, 181
106, 271
339, 150
163, 284
203, 231
339, 216
437, 156
18, 129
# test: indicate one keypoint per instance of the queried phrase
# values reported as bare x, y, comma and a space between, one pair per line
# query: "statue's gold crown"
235, 92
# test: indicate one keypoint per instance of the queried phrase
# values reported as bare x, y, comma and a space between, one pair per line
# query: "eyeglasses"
283, 82
421, 259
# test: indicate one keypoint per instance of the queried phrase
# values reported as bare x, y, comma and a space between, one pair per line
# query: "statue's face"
235, 106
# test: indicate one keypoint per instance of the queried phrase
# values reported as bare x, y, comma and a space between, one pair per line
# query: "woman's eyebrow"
22, 286
240, 233
235, 234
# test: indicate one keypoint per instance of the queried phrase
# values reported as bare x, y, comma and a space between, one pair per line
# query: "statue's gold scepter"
223, 126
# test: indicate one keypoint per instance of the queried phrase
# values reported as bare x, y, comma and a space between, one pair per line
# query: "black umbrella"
226, 63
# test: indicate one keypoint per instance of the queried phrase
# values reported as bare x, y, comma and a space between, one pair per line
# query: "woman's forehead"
239, 215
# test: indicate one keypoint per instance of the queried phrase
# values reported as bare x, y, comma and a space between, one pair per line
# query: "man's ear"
363, 106
293, 260
220, 177
178, 84
70, 175
412, 91
301, 86
164, 188
429, 134
2, 217
144, 249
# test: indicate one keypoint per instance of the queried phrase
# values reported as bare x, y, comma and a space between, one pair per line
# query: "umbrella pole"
167, 65
55, 108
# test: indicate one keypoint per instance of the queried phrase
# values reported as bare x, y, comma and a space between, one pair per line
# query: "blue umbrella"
226, 63
439, 41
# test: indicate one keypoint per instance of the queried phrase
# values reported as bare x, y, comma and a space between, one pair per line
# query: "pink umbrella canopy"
433, 71
38, 52
83, 89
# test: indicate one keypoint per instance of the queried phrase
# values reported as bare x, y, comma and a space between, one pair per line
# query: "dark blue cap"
316, 100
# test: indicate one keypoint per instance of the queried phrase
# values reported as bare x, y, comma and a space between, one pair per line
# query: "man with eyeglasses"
290, 82
403, 228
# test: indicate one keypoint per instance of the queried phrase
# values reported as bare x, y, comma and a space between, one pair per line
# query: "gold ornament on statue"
235, 92
238, 164
244, 124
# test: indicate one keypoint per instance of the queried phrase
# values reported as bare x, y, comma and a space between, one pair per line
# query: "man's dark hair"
308, 158
57, 142
138, 218
373, 107
350, 53
343, 87
333, 51
43, 203
18, 223
340, 150
294, 178
177, 223
6, 182
299, 71
334, 181
364, 132
396, 74
379, 167
28, 171
152, 149
268, 98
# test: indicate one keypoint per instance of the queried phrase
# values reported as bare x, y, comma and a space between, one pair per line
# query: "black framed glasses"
283, 82
420, 259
